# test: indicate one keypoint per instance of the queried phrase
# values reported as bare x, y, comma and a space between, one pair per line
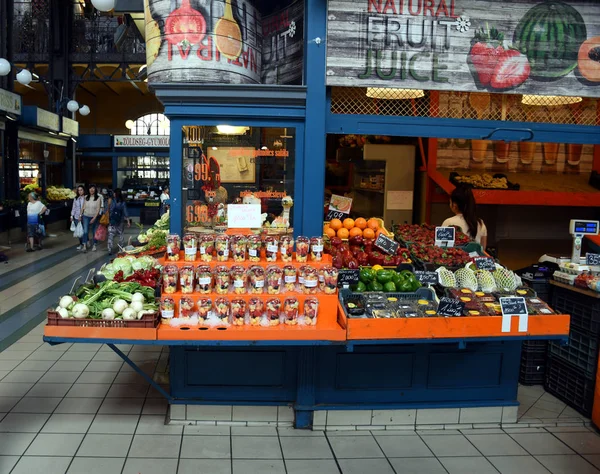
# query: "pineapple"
465, 277
447, 278
485, 281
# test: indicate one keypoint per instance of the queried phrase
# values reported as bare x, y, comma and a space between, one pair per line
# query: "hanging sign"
141, 141
70, 126
444, 236
525, 47
47, 120
514, 306
10, 102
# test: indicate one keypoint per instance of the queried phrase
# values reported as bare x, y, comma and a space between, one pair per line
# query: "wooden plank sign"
539, 47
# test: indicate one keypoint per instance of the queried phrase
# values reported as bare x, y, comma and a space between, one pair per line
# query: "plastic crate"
540, 286
581, 351
533, 363
584, 310
147, 321
569, 384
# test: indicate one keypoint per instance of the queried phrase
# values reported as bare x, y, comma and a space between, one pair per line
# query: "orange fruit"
343, 233
373, 224
379, 231
348, 223
335, 224
361, 223
368, 233
355, 232
329, 232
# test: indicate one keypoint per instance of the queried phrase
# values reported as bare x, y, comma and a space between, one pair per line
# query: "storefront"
394, 103
10, 111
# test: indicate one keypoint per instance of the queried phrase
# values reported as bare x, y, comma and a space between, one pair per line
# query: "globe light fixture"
72, 106
24, 77
129, 124
4, 67
103, 5
84, 110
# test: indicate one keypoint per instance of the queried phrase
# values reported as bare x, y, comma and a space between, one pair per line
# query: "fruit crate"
421, 294
533, 362
581, 351
147, 321
569, 384
584, 310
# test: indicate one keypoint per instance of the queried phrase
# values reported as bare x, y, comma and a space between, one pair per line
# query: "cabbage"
124, 265
108, 271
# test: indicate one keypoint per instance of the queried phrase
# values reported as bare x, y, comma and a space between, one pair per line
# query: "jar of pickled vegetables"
173, 244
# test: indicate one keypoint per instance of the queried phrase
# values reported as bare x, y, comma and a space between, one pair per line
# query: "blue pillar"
175, 168
316, 102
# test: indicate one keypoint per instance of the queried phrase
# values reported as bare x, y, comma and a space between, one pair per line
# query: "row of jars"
238, 312
254, 280
241, 248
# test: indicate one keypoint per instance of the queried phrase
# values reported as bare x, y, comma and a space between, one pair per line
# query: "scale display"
584, 227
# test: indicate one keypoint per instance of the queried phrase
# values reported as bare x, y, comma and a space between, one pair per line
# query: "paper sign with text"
244, 216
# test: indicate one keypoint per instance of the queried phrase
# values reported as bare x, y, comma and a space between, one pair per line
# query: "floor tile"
96, 466
54, 445
68, 423
450, 446
8, 389
59, 377
104, 356
160, 446
97, 377
362, 466
11, 364
36, 405
288, 431
355, 447
121, 406
496, 445
15, 444
155, 466
7, 403
594, 459
38, 464
128, 391
70, 355
44, 355
258, 467
26, 346
196, 466
403, 446
568, 464
155, 406
47, 390
155, 424
79, 405
102, 445
85, 347
69, 366
517, 465
36, 365
14, 355
4, 373
305, 448
470, 465
206, 430
206, 447
7, 463
417, 466
88, 390
248, 447
254, 431
23, 376
582, 443
311, 466
96, 366
114, 424
542, 443
23, 422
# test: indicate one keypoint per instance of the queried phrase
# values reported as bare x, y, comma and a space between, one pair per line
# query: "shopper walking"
163, 198
35, 230
77, 210
93, 206
462, 204
117, 213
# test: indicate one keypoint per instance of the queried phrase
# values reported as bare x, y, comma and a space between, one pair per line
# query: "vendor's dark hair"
463, 197
118, 195
87, 197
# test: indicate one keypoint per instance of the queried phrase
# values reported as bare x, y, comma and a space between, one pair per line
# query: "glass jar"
286, 248
167, 309
290, 311
222, 309
330, 279
186, 307
256, 280
274, 278
310, 311
271, 248
204, 306
311, 281
273, 311
256, 309
289, 278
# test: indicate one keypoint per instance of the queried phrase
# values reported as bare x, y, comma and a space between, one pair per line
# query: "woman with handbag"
35, 210
117, 212
92, 210
77, 210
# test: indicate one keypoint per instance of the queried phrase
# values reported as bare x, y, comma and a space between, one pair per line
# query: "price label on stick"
426, 278
348, 278
514, 306
592, 259
445, 236
485, 263
450, 307
387, 245
335, 215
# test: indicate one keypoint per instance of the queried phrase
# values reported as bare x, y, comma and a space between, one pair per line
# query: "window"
151, 124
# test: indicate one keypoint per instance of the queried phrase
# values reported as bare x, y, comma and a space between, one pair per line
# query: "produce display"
389, 281
381, 306
425, 234
361, 252
155, 238
144, 270
438, 256
483, 181
361, 227
54, 193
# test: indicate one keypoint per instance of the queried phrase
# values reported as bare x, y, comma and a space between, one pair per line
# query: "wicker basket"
147, 321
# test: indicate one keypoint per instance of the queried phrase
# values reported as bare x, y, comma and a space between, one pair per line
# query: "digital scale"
570, 268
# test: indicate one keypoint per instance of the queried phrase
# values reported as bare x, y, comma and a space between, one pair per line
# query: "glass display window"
225, 165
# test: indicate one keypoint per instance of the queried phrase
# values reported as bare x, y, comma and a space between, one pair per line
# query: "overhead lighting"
24, 77
53, 133
84, 110
4, 67
74, 139
163, 124
63, 134
129, 124
264, 148
72, 106
549, 100
394, 94
232, 130
214, 148
104, 5
11, 117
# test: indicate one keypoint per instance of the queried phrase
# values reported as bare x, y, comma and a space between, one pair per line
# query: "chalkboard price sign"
592, 259
335, 215
427, 278
348, 278
513, 306
387, 245
485, 263
450, 307
445, 236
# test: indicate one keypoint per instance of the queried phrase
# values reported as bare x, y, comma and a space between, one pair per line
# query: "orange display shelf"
263, 262
115, 334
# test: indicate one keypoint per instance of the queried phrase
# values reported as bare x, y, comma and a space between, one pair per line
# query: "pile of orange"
369, 229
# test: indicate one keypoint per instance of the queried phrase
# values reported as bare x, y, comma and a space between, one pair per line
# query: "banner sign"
141, 141
524, 47
10, 102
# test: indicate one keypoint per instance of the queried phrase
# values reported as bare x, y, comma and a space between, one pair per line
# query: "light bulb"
104, 5
84, 110
24, 77
129, 124
4, 67
72, 106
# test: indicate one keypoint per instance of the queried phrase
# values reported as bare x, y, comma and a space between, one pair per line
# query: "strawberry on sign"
485, 53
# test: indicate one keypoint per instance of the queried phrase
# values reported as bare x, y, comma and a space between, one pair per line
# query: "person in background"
77, 209
35, 210
462, 204
92, 210
117, 213
164, 197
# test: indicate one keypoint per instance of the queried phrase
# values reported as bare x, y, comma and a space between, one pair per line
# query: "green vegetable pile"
156, 236
389, 281
128, 265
